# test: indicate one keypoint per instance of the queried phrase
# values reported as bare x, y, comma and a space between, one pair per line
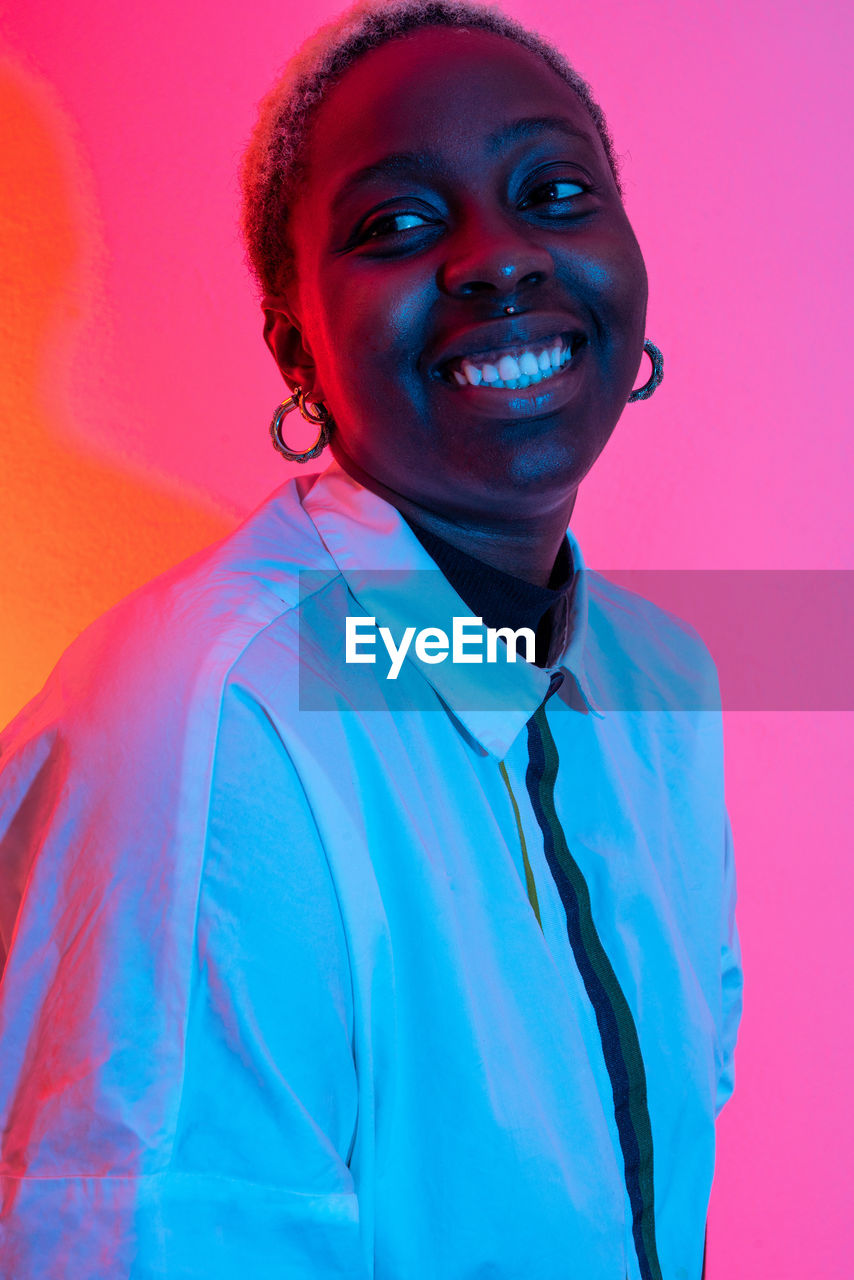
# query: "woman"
337, 947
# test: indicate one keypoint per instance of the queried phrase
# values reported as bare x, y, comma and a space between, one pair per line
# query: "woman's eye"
557, 191
390, 224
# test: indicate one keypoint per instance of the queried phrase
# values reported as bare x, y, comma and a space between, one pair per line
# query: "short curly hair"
274, 160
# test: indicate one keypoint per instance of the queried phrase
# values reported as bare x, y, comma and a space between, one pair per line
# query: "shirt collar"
364, 534
499, 597
503, 600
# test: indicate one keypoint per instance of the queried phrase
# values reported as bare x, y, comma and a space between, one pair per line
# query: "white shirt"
277, 1002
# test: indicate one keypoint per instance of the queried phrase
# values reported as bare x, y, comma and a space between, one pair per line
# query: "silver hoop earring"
644, 392
315, 412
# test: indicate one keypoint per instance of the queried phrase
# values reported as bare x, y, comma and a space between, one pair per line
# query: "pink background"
136, 401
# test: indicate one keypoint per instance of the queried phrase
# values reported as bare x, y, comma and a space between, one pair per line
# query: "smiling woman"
314, 972
422, 250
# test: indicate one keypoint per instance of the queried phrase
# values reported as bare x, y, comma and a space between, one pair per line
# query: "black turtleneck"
503, 600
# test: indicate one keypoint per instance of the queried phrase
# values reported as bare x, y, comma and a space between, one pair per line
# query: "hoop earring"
644, 392
315, 412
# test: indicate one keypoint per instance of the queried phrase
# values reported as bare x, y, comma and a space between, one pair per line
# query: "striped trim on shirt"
620, 1043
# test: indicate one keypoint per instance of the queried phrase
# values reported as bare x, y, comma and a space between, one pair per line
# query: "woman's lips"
529, 394
515, 366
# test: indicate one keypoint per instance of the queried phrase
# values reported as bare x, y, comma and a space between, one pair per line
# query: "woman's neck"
526, 549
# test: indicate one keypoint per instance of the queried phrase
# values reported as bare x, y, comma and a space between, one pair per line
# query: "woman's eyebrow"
398, 162
409, 162
530, 126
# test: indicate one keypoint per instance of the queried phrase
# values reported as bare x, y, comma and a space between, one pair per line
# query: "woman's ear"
283, 335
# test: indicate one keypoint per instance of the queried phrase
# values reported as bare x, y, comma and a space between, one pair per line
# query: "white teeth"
513, 372
508, 369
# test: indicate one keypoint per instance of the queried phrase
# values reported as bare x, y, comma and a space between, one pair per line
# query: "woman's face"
453, 174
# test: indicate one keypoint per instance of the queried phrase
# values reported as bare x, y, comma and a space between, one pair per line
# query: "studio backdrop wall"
136, 392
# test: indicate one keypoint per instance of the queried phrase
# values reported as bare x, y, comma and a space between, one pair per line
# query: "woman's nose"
496, 260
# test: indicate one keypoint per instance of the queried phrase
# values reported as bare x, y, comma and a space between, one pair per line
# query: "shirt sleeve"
731, 977
178, 1093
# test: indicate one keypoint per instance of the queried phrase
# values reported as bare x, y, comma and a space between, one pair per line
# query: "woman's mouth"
513, 367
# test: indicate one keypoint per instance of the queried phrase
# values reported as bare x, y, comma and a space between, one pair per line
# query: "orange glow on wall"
77, 533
